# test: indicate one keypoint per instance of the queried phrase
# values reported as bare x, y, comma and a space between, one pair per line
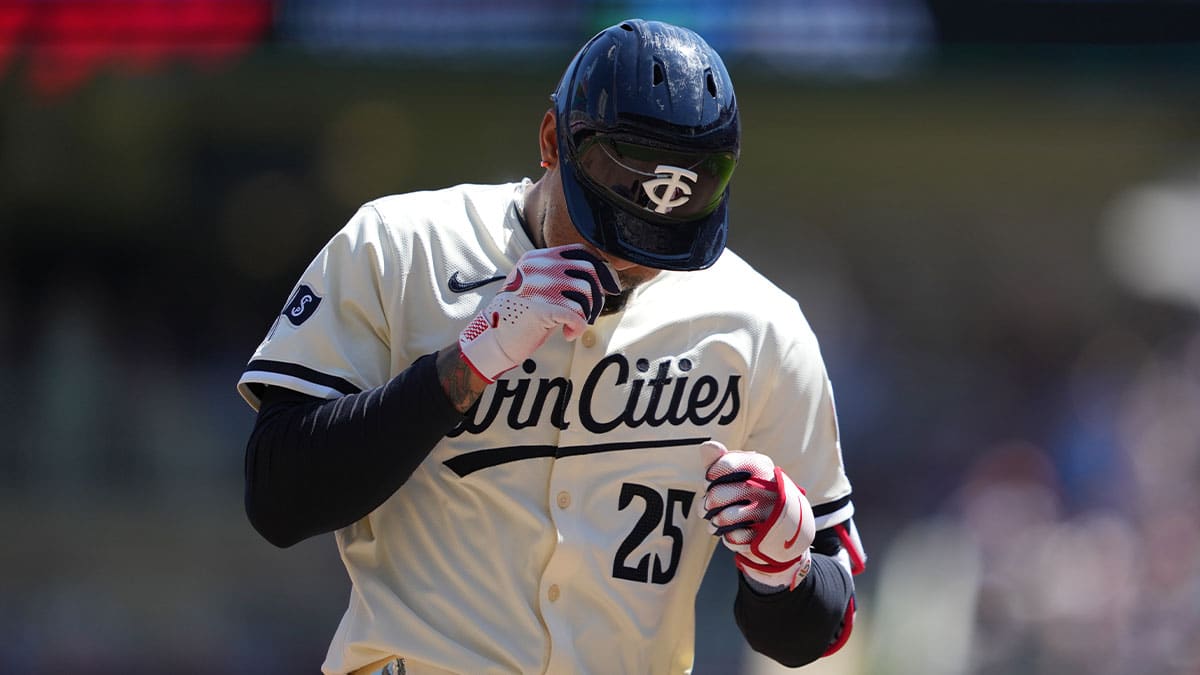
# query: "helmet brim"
659, 244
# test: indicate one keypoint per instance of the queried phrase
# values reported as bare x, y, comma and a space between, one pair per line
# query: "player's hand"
759, 514
548, 288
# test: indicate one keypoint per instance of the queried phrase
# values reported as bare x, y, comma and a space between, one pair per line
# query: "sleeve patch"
303, 304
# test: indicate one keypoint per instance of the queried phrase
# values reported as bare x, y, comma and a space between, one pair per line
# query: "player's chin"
630, 279
615, 303
635, 276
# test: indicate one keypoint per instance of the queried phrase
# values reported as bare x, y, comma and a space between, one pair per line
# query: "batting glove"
760, 515
562, 286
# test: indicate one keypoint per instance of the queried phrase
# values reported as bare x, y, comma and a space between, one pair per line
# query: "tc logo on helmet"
664, 189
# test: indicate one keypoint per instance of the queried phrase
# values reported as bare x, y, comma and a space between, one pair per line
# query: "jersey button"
553, 592
564, 499
589, 339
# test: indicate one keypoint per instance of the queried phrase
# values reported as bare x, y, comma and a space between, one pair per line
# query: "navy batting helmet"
648, 135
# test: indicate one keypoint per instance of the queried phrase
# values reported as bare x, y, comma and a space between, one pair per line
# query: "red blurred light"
14, 18
65, 42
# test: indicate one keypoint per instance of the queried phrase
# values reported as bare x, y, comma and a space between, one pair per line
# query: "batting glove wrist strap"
487, 358
760, 514
774, 578
547, 289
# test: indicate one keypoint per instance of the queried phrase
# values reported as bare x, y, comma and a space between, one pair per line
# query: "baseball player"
526, 409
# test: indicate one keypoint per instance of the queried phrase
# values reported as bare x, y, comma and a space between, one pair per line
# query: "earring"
545, 164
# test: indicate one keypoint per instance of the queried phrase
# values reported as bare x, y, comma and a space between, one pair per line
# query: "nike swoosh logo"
792, 542
459, 286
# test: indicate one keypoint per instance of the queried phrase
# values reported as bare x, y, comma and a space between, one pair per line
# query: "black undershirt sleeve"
796, 627
316, 465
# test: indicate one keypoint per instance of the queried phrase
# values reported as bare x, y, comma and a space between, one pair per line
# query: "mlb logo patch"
303, 304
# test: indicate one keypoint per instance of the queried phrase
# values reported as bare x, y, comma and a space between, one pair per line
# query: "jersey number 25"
647, 523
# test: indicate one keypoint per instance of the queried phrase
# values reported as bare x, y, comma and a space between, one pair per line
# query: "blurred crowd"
1081, 555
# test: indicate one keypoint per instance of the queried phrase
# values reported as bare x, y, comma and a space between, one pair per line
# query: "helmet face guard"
648, 136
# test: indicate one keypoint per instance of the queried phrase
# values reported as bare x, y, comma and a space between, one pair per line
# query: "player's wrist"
459, 379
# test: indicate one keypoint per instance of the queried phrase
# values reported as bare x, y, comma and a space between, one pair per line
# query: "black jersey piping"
303, 373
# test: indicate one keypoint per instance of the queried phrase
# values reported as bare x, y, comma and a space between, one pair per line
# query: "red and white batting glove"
760, 515
562, 286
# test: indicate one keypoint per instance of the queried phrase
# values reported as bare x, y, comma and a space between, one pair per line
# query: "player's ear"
548, 140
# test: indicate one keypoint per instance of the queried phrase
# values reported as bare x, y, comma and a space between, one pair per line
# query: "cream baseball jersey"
560, 527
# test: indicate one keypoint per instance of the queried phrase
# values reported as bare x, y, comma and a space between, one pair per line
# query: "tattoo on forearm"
461, 384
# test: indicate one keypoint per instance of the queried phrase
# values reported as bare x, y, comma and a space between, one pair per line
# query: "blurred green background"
997, 241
